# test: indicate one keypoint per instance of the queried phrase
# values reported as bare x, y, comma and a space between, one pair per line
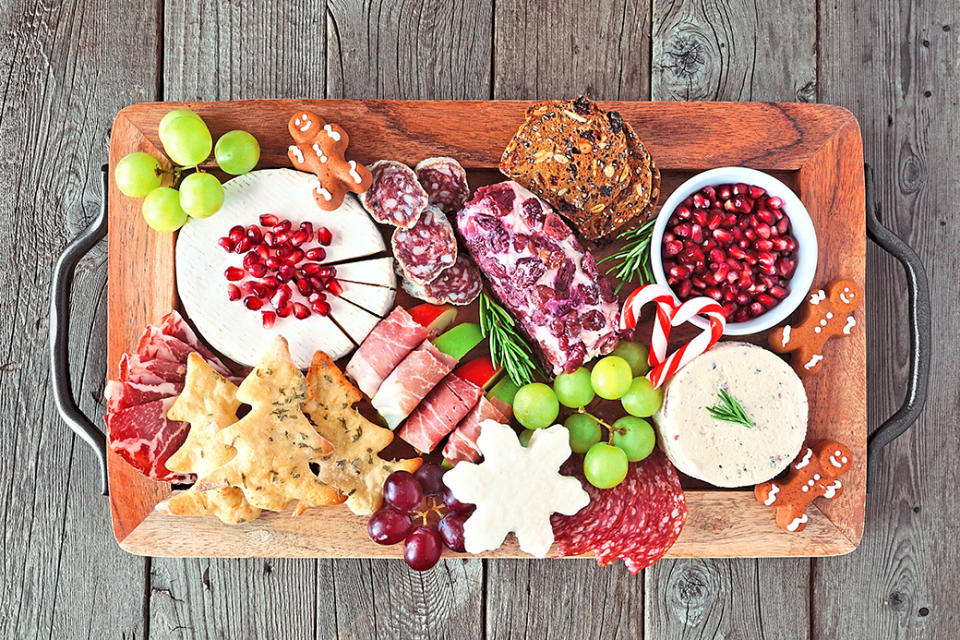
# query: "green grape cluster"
187, 142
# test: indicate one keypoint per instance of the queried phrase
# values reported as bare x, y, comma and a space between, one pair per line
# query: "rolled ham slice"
440, 412
121, 394
462, 443
410, 382
384, 349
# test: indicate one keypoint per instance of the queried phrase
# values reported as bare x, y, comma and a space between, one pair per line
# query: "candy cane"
709, 337
666, 305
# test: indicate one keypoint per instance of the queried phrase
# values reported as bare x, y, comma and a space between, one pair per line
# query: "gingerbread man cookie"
813, 474
829, 313
319, 149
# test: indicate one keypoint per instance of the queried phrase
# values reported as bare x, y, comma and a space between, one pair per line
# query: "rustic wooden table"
68, 67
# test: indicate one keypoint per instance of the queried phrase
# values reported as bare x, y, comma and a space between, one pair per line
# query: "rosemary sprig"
507, 347
729, 409
633, 257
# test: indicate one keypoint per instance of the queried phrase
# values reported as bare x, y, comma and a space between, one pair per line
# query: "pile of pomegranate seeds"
282, 274
732, 243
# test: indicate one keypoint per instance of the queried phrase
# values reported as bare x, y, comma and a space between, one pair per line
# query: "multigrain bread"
588, 163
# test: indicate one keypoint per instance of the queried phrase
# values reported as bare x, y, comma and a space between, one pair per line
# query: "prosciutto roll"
462, 443
410, 382
440, 412
388, 344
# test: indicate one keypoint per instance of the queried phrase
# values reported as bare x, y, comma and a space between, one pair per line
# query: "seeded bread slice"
588, 163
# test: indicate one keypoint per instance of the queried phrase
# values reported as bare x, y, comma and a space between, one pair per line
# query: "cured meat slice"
462, 443
440, 412
395, 195
144, 437
445, 182
156, 345
426, 248
410, 382
174, 325
636, 521
134, 368
458, 284
122, 394
384, 348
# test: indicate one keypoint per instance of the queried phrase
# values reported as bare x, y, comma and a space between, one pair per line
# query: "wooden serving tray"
816, 149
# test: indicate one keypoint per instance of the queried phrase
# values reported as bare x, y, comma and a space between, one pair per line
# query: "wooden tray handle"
919, 309
60, 331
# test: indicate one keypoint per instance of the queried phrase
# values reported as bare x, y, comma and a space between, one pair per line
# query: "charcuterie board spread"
509, 329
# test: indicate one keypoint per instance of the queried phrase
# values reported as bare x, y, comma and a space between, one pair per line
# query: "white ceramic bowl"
801, 227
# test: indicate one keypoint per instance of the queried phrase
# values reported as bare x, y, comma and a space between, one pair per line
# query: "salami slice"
426, 248
636, 521
458, 284
445, 182
395, 195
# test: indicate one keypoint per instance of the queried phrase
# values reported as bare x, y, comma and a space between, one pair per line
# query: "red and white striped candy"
666, 304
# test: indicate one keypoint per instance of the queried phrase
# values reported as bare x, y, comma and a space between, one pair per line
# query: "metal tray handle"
60, 333
918, 291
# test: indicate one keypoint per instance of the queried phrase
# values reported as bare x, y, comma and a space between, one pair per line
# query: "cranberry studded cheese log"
540, 271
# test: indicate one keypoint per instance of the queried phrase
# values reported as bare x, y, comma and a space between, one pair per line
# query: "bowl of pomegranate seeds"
741, 237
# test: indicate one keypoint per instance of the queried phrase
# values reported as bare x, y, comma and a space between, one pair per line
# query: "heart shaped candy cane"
669, 314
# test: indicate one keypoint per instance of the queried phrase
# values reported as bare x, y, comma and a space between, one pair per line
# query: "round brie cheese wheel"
727, 454
238, 332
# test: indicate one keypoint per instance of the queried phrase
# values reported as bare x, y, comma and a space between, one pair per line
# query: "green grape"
641, 399
605, 465
611, 377
237, 152
170, 116
584, 430
137, 174
634, 436
187, 141
535, 406
525, 436
636, 356
161, 209
574, 389
201, 195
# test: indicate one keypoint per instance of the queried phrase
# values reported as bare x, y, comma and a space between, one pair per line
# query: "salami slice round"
458, 284
426, 248
395, 195
445, 182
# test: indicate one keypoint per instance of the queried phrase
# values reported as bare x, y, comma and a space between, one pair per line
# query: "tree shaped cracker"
516, 488
354, 467
227, 503
275, 442
319, 149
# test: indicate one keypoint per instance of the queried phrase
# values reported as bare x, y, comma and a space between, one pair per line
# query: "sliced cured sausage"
445, 182
395, 195
426, 248
458, 284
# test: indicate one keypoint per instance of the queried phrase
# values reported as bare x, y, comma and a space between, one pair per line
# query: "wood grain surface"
68, 67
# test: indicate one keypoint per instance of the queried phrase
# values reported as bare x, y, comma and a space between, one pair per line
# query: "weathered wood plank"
558, 49
895, 66
741, 50
744, 50
60, 567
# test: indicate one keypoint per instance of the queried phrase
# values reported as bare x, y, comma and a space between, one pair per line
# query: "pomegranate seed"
744, 205
318, 284
769, 269
778, 292
696, 233
709, 192
709, 243
321, 307
739, 189
756, 192
250, 258
284, 251
233, 292
775, 202
722, 236
715, 220
254, 288
742, 315
737, 253
285, 310
682, 230
729, 205
310, 269
269, 239
680, 271
303, 286
672, 248
334, 287
783, 226
683, 213
700, 217
765, 245
281, 297
763, 230
688, 201
227, 244
271, 282
272, 263
317, 253
766, 216
768, 301
296, 255
765, 257
324, 236
234, 273
299, 238
756, 309
269, 319
269, 220
766, 282
692, 254
252, 303
281, 237
327, 272
729, 294
713, 292
728, 309
724, 192
307, 227
700, 202
698, 283
685, 288
285, 273
258, 270
300, 310
254, 233
243, 245
262, 251
721, 271
749, 234
730, 220
283, 226
236, 233
786, 267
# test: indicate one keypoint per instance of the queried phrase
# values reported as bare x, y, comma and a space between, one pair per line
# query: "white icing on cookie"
806, 459
786, 336
835, 462
320, 154
851, 323
793, 526
818, 296
843, 295
813, 361
354, 173
831, 490
295, 150
323, 192
772, 497
306, 125
330, 132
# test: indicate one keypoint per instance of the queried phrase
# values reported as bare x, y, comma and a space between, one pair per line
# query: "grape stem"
608, 427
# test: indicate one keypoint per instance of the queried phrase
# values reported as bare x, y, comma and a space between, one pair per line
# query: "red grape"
455, 505
451, 531
388, 526
430, 477
422, 549
402, 491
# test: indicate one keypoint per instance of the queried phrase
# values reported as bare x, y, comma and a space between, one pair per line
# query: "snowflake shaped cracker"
516, 488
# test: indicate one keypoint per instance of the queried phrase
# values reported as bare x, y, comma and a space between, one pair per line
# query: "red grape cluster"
419, 510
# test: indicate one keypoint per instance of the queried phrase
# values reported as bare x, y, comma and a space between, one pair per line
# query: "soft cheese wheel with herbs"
729, 454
